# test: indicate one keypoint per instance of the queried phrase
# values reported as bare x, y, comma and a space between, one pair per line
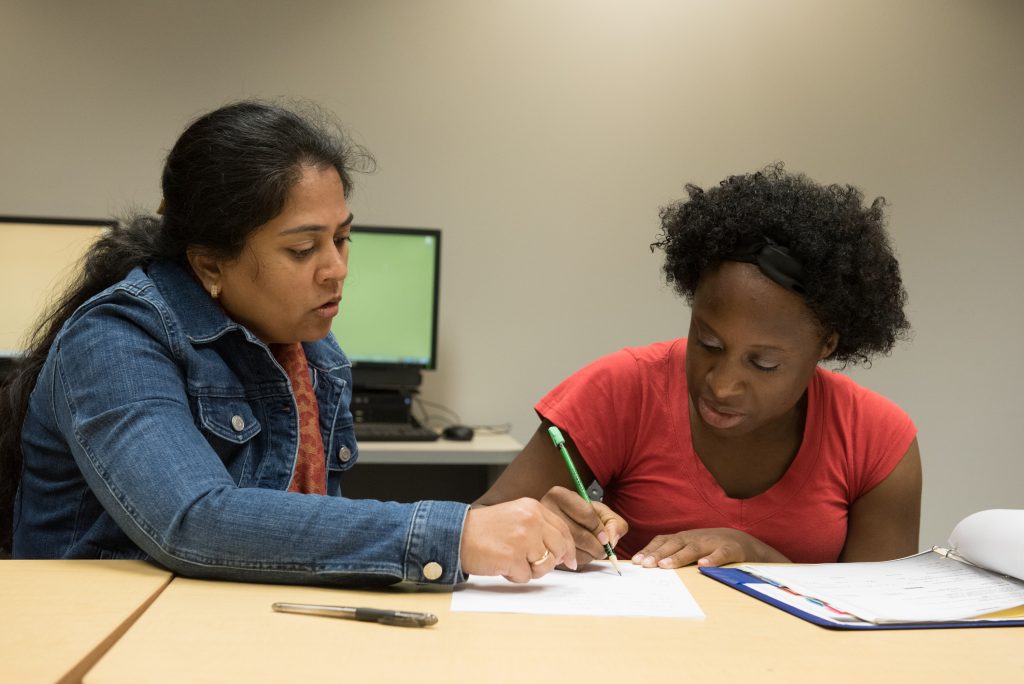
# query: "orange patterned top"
310, 474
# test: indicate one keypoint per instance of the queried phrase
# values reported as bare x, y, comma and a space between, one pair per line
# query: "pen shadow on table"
529, 587
506, 588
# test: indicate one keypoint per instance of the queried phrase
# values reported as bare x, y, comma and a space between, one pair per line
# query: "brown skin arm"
540, 473
885, 523
536, 469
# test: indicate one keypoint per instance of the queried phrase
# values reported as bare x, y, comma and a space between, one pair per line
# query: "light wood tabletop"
200, 631
59, 617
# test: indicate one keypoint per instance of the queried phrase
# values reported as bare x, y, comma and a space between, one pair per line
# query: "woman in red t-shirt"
734, 444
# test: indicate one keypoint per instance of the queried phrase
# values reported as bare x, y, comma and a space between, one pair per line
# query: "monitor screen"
37, 258
388, 312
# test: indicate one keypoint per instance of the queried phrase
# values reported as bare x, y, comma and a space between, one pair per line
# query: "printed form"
595, 589
923, 588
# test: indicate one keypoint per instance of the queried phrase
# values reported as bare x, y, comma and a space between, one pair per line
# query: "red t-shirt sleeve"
883, 431
599, 408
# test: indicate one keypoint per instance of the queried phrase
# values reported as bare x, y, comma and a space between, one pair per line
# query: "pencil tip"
615, 563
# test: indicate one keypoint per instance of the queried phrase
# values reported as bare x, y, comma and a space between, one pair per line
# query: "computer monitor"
38, 256
387, 323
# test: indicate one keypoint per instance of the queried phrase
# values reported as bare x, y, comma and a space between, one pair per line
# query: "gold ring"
543, 558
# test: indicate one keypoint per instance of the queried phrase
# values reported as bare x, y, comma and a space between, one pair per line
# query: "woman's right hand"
592, 525
519, 540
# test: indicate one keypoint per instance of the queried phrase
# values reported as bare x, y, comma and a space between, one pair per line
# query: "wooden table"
59, 617
217, 632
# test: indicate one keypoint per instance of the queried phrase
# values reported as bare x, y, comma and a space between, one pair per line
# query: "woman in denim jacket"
186, 403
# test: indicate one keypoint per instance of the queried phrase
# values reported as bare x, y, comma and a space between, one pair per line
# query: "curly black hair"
851, 277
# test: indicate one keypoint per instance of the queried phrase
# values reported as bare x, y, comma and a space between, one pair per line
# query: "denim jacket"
159, 428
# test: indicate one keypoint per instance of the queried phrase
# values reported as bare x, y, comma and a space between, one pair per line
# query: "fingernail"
602, 537
638, 558
649, 562
665, 563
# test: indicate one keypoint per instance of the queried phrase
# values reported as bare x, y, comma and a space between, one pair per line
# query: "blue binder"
742, 581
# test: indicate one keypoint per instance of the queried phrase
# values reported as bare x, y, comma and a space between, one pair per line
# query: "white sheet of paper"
595, 590
992, 539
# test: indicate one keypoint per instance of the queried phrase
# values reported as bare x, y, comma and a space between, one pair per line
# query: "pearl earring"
215, 291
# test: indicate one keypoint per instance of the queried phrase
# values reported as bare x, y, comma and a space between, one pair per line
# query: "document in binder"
977, 582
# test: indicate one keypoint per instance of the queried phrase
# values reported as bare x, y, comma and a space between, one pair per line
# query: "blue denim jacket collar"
203, 320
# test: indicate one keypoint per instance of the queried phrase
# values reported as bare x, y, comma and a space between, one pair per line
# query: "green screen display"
389, 302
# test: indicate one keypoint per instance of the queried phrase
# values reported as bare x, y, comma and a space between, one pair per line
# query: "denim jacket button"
344, 454
432, 570
238, 423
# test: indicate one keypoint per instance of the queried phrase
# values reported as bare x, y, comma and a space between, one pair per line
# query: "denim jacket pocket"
230, 426
230, 419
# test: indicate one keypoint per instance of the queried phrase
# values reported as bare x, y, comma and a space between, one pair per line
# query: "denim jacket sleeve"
119, 397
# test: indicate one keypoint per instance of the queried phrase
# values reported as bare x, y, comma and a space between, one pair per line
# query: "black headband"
774, 260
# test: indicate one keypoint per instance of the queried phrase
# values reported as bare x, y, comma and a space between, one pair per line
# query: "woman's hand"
519, 540
590, 531
706, 547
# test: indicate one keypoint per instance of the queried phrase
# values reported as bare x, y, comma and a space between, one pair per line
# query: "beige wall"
543, 135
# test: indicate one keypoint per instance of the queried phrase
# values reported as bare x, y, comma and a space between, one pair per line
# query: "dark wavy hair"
228, 174
851, 277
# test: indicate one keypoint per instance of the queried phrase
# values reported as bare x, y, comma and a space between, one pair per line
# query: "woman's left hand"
706, 547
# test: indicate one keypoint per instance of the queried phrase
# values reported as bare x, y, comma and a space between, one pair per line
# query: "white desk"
483, 449
444, 470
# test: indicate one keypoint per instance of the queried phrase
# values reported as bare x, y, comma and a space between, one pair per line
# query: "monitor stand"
381, 406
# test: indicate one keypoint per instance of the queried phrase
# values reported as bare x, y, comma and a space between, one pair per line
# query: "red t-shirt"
628, 414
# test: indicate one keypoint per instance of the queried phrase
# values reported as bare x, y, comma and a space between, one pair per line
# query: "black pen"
401, 618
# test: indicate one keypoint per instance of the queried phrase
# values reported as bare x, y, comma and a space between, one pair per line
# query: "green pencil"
559, 440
